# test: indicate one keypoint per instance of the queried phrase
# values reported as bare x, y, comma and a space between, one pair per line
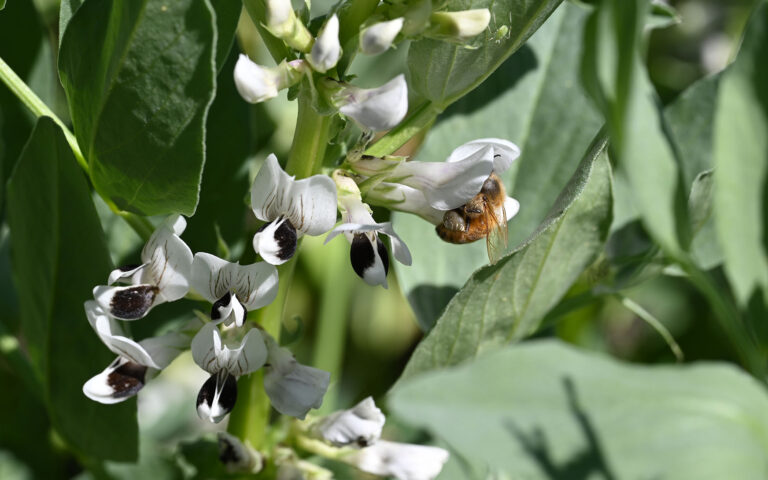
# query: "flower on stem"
292, 208
368, 254
458, 26
162, 277
282, 22
126, 375
377, 108
256, 83
360, 425
403, 461
225, 363
378, 37
233, 289
403, 198
292, 388
326, 50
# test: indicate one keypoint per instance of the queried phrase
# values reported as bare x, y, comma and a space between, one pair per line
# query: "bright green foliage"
139, 77
59, 255
741, 162
543, 410
442, 72
535, 100
507, 301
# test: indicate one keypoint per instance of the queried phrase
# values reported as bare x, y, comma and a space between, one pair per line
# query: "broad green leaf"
57, 259
507, 301
616, 79
442, 71
741, 163
535, 100
544, 410
227, 16
140, 76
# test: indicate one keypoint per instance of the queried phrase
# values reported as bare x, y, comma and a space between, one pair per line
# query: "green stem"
420, 118
646, 316
38, 107
309, 141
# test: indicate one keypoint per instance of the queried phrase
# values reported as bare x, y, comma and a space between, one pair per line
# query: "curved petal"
217, 397
370, 259
326, 51
276, 241
405, 199
255, 284
169, 264
403, 461
126, 303
309, 204
124, 274
165, 348
379, 37
209, 276
253, 82
212, 356
378, 108
399, 248
111, 334
511, 207
121, 380
360, 425
504, 152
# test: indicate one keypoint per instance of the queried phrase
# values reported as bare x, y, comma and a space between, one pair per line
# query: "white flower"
292, 388
368, 254
256, 83
326, 50
377, 108
403, 198
126, 375
279, 16
163, 276
233, 289
503, 152
379, 37
461, 25
293, 207
218, 394
360, 425
403, 461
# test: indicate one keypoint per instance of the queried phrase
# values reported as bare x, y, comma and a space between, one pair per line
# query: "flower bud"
282, 22
461, 25
376, 108
379, 37
360, 425
256, 83
327, 50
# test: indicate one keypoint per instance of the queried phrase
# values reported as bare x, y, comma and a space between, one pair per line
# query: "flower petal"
255, 285
370, 259
504, 152
399, 248
169, 261
360, 425
378, 108
379, 37
121, 380
511, 207
111, 334
403, 461
276, 241
253, 82
326, 51
405, 199
123, 274
293, 388
165, 348
309, 204
213, 356
126, 303
209, 276
217, 397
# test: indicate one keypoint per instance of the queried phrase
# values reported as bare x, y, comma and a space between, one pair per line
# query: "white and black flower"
233, 289
359, 426
376, 109
292, 388
225, 363
403, 461
136, 361
292, 208
162, 277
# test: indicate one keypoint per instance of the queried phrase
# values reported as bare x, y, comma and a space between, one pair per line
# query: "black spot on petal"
286, 238
361, 254
132, 303
128, 268
127, 380
227, 452
383, 254
220, 303
223, 382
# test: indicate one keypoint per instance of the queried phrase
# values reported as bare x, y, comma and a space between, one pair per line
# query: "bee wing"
496, 240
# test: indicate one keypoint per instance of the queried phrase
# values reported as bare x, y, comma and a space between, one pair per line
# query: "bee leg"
452, 220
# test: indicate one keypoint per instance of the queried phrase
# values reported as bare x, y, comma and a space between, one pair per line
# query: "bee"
483, 216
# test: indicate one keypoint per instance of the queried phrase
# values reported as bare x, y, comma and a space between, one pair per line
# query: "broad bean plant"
180, 177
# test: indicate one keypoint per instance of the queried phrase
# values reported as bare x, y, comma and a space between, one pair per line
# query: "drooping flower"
233, 289
127, 374
292, 388
162, 277
402, 461
376, 108
360, 425
225, 363
256, 83
326, 50
368, 254
378, 37
292, 208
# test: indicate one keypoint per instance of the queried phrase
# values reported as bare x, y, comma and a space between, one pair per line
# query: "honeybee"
483, 216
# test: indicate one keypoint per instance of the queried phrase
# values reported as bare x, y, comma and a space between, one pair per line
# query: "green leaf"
615, 77
507, 301
535, 100
139, 76
705, 249
442, 72
227, 16
57, 259
741, 163
544, 410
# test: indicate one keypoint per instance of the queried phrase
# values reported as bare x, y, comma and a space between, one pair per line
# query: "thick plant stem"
420, 118
250, 417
